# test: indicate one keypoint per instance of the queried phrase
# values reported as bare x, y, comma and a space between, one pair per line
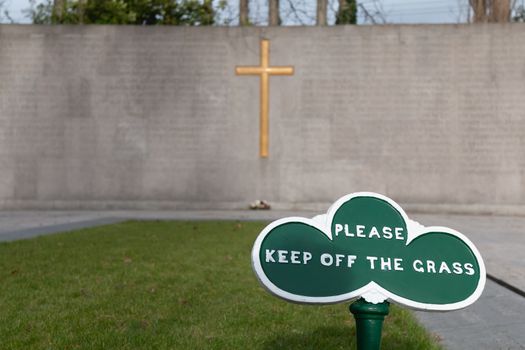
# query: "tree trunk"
490, 10
347, 12
500, 11
58, 11
243, 13
81, 9
321, 12
273, 13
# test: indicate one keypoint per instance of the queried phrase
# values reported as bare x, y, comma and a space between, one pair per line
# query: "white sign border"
372, 292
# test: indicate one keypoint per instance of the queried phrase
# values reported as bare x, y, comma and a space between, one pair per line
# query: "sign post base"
369, 323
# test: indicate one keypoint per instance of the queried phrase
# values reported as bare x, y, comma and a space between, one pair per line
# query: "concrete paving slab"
51, 229
495, 321
12, 222
26, 224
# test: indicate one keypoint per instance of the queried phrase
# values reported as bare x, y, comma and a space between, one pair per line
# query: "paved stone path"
496, 321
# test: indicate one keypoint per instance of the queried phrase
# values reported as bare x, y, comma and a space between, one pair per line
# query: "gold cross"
264, 71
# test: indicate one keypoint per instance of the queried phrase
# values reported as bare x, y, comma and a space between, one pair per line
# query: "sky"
392, 11
15, 8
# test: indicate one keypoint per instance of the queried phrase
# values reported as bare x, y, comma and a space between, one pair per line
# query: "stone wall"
155, 117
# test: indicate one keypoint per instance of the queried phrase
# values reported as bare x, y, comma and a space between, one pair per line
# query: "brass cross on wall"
264, 71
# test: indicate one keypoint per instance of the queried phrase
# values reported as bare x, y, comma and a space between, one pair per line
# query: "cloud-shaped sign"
365, 246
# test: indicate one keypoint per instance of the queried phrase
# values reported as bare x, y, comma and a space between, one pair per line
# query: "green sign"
366, 246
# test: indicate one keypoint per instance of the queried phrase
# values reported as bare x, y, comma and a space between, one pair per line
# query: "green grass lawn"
163, 285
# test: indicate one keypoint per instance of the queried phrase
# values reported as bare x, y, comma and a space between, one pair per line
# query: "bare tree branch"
376, 15
295, 12
368, 16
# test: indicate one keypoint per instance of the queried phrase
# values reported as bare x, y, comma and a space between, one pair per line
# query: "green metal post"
369, 323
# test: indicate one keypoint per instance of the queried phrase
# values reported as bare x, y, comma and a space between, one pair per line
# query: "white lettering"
431, 266
338, 259
397, 264
307, 256
399, 233
285, 256
469, 269
373, 232
338, 228
347, 232
418, 266
351, 260
269, 255
444, 267
326, 259
282, 256
387, 232
362, 231
386, 264
294, 257
372, 260
359, 231
457, 268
